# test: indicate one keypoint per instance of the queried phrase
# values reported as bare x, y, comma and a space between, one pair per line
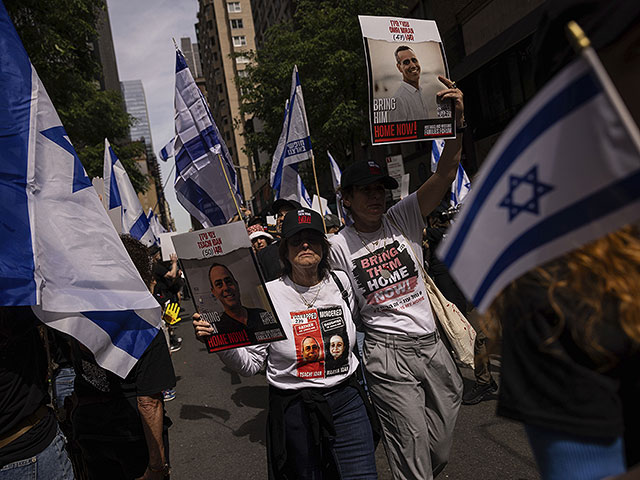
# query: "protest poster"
226, 286
404, 58
321, 340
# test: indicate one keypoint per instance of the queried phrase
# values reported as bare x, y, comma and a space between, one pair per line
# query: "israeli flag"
59, 251
437, 146
294, 144
565, 172
460, 188
206, 183
119, 192
461, 185
336, 173
167, 151
303, 194
336, 177
155, 225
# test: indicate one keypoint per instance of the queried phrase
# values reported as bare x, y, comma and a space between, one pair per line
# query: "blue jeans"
352, 448
64, 380
561, 456
50, 464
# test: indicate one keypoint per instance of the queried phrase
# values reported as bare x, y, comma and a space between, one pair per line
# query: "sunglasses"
300, 238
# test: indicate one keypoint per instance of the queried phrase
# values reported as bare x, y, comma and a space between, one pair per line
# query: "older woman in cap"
319, 423
413, 381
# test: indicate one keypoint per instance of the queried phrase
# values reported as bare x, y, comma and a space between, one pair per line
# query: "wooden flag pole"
233, 194
315, 177
582, 45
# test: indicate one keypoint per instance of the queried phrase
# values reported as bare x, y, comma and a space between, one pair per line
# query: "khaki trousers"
416, 390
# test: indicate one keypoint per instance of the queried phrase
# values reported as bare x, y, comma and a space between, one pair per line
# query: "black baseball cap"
365, 173
301, 219
283, 202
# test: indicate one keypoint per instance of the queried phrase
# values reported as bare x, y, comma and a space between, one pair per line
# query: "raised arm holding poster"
404, 58
226, 287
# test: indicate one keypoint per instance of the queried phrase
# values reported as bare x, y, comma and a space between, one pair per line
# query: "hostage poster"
404, 58
322, 342
226, 287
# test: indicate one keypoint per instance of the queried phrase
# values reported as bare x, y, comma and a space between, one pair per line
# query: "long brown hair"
595, 277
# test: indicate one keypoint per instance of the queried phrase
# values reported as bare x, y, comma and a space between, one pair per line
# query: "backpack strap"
343, 291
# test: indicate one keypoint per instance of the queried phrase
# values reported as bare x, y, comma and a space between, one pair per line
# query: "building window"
242, 59
236, 23
233, 7
239, 41
220, 88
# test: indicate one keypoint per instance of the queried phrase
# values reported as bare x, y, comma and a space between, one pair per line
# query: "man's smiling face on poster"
408, 65
224, 286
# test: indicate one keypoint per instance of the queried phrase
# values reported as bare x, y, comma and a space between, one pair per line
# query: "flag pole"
233, 194
582, 45
315, 177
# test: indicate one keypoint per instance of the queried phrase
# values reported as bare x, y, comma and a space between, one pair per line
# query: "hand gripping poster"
226, 287
404, 58
322, 343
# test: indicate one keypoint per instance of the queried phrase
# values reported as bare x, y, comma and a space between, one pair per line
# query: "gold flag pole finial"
577, 37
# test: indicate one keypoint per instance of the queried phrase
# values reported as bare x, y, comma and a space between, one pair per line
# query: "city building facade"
136, 106
225, 35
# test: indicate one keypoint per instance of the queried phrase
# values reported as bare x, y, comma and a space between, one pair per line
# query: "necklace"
309, 304
386, 274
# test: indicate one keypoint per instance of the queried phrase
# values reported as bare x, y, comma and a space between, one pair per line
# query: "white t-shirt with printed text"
327, 319
386, 276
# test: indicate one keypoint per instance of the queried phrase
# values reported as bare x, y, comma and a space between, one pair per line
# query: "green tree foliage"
59, 37
324, 40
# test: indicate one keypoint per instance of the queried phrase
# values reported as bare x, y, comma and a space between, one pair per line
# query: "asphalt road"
219, 421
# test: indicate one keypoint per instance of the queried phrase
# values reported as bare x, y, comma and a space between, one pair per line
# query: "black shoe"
478, 392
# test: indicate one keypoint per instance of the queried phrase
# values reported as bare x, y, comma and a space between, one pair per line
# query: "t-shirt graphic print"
321, 340
387, 276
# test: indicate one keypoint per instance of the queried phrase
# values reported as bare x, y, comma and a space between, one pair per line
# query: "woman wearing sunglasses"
318, 423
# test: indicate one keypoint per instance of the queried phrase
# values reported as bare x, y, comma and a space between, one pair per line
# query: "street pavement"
219, 423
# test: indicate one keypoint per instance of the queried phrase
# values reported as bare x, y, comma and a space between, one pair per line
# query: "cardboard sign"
404, 58
226, 287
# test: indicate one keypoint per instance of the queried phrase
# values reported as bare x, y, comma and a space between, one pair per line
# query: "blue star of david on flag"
537, 188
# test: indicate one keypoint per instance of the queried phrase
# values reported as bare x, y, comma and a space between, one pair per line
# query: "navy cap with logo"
365, 173
301, 219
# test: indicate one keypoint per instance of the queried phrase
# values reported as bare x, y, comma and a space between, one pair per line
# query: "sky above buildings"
142, 35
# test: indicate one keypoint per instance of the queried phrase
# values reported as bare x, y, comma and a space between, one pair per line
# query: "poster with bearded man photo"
404, 58
226, 286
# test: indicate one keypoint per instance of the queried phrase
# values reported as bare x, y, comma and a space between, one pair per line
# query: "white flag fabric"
336, 177
119, 192
203, 163
564, 173
59, 252
461, 186
294, 144
336, 173
155, 225
292, 187
436, 150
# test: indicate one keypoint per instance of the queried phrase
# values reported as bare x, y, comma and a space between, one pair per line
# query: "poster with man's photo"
404, 58
322, 343
226, 287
